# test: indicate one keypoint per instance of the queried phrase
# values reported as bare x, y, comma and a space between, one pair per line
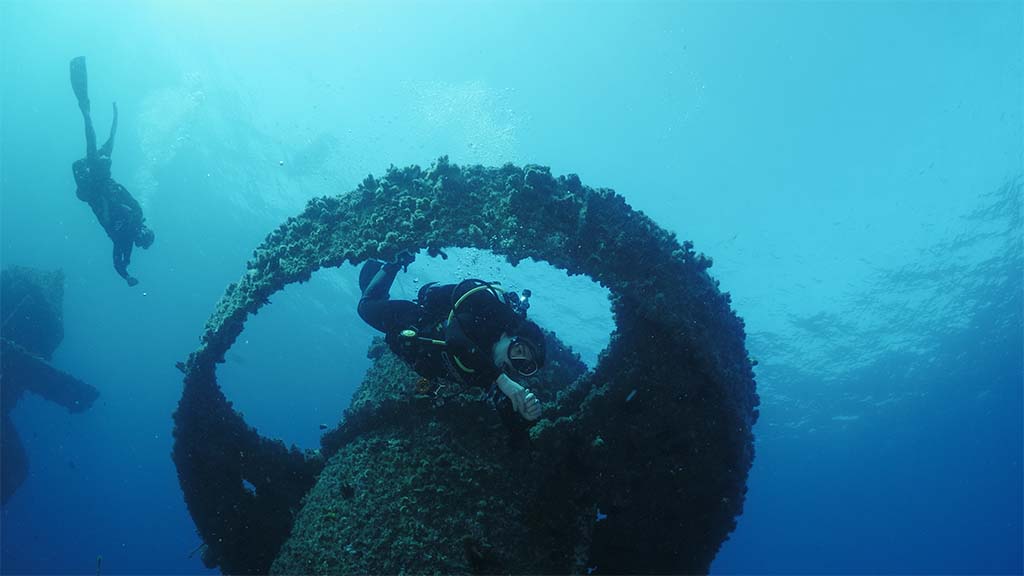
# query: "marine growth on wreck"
636, 466
32, 314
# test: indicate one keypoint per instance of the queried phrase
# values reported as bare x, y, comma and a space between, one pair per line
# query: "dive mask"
522, 356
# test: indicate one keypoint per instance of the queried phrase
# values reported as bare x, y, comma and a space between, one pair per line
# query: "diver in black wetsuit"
115, 208
472, 332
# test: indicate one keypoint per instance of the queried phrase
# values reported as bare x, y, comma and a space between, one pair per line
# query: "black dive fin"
80, 80
368, 271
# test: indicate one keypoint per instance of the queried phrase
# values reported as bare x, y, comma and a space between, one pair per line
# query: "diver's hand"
132, 281
530, 407
523, 401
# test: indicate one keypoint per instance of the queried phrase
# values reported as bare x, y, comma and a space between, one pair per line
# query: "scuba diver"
115, 208
471, 332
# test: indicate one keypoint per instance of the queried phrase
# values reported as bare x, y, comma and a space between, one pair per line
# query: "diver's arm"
108, 146
122, 258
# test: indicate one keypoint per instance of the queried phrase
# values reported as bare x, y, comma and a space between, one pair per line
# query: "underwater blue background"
854, 169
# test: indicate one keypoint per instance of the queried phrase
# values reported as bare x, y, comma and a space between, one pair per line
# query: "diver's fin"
80, 81
367, 273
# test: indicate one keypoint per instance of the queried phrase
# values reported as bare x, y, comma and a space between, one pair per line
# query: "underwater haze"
854, 169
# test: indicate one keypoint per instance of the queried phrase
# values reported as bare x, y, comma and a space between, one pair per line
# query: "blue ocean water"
854, 169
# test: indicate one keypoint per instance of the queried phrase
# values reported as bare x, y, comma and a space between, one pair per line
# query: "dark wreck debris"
638, 466
31, 309
32, 305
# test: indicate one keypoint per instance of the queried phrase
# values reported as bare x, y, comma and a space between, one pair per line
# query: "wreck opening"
293, 369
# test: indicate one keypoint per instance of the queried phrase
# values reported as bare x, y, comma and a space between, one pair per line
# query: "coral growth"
657, 437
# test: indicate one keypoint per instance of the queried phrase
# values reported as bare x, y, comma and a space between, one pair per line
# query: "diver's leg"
80, 84
90, 136
375, 306
376, 277
367, 273
389, 315
108, 146
375, 303
380, 286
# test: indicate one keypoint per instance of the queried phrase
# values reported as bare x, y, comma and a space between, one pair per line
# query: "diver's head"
144, 239
521, 351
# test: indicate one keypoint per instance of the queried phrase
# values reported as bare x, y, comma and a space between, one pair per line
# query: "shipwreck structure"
636, 466
32, 312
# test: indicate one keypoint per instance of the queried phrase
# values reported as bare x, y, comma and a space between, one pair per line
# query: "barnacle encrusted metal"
638, 465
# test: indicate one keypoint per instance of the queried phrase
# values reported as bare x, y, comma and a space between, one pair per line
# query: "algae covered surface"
655, 440
430, 481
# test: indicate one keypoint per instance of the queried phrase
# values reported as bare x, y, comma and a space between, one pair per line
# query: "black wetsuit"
115, 208
460, 349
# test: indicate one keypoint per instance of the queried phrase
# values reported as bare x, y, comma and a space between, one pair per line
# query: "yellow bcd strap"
462, 366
